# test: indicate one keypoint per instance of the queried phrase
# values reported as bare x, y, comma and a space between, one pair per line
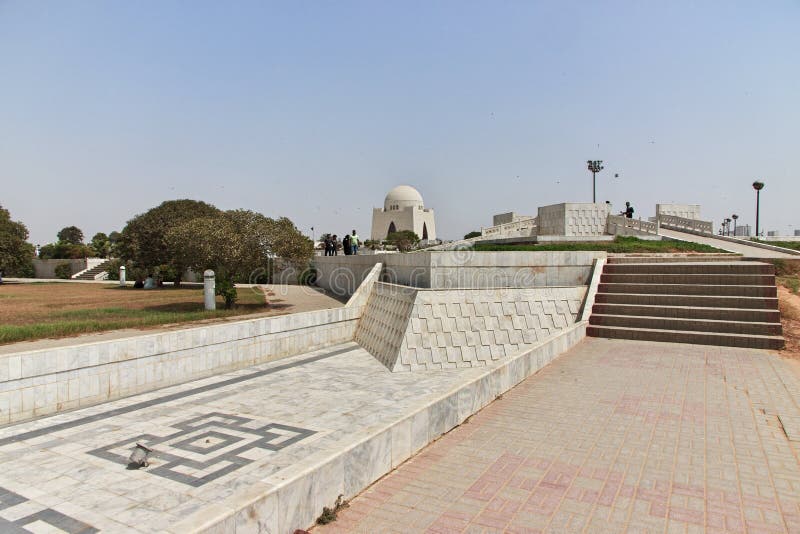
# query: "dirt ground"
790, 317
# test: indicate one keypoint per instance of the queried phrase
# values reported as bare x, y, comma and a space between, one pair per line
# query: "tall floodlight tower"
594, 166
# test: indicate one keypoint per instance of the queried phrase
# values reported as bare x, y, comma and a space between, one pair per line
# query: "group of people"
350, 244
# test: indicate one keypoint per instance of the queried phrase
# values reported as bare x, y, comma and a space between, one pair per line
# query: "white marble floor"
211, 439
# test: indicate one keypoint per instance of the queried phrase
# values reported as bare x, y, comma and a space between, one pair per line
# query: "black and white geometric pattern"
207, 447
18, 515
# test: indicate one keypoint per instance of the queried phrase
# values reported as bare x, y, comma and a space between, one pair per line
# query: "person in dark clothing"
628, 210
346, 245
328, 246
335, 245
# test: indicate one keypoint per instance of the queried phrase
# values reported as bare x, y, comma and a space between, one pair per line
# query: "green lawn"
621, 244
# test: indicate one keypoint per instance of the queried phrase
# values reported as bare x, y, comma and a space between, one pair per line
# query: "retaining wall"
410, 329
42, 382
47, 268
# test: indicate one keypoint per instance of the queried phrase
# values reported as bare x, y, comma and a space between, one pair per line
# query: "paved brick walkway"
614, 436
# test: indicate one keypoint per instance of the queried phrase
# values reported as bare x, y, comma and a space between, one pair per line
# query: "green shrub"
22, 271
472, 234
63, 271
227, 290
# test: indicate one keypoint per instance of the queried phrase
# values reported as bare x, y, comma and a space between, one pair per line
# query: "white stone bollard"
209, 285
122, 276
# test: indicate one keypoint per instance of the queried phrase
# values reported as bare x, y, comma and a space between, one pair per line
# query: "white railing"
520, 227
643, 226
673, 222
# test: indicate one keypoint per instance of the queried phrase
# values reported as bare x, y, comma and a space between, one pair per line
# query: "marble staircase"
726, 303
90, 274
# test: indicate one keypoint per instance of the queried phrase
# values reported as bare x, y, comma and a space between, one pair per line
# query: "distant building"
743, 230
403, 209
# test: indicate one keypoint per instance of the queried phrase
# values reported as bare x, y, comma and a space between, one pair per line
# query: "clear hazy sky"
314, 110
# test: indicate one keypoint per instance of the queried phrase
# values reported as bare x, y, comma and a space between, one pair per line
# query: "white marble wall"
360, 297
43, 382
573, 219
411, 330
459, 269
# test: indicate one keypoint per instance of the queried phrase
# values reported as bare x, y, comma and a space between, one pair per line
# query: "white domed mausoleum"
403, 209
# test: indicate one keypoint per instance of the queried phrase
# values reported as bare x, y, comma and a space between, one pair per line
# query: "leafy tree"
71, 234
472, 234
65, 251
114, 239
235, 244
101, 245
16, 254
143, 239
404, 241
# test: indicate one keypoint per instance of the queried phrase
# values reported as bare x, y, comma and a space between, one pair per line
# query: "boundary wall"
47, 268
463, 269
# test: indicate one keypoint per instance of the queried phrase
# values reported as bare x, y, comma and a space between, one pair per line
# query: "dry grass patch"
42, 310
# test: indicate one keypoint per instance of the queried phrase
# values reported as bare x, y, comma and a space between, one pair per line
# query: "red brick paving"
614, 436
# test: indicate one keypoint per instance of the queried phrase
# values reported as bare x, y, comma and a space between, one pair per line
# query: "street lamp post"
758, 186
594, 167
734, 217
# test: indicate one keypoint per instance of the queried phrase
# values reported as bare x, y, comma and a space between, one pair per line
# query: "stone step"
690, 312
694, 279
737, 267
683, 336
691, 289
681, 323
612, 259
91, 273
703, 301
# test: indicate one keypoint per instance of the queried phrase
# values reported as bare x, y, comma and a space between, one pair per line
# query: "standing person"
328, 246
335, 245
628, 210
346, 245
354, 242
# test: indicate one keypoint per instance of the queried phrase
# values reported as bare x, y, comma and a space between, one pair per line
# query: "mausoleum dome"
402, 197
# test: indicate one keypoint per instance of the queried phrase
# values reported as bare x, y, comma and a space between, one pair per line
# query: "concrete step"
719, 267
683, 336
694, 279
691, 289
702, 301
681, 323
690, 312
679, 258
